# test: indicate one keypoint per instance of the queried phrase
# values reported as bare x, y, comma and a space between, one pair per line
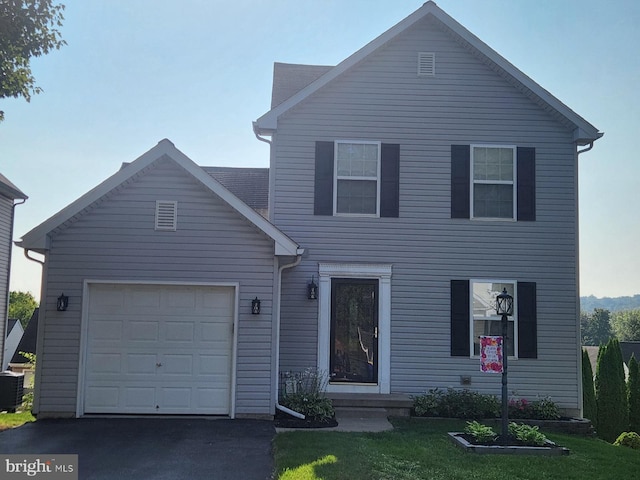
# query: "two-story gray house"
408, 186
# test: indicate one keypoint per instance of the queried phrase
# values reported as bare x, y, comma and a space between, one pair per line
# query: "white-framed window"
357, 178
493, 185
484, 320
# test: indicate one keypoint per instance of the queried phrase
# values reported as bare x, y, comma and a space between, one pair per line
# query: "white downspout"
277, 343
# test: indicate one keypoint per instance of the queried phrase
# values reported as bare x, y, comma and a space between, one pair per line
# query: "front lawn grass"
12, 420
420, 449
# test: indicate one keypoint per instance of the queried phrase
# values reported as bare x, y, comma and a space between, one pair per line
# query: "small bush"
480, 433
305, 393
543, 409
628, 439
456, 404
527, 434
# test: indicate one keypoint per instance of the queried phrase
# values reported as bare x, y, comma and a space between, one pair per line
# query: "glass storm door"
354, 331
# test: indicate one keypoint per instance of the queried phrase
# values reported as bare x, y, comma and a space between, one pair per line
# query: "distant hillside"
587, 304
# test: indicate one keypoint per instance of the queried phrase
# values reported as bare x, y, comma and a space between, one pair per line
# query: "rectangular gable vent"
166, 215
426, 64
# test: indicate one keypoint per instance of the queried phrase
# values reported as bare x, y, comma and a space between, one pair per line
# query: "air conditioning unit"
11, 390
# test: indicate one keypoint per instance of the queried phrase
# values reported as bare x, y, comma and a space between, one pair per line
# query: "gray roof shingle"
251, 185
290, 78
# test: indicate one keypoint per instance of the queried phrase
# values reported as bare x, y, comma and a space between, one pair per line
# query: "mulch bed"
284, 420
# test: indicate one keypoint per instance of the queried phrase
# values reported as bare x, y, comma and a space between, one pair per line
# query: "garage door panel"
159, 349
179, 331
103, 397
102, 363
177, 364
143, 331
139, 397
140, 363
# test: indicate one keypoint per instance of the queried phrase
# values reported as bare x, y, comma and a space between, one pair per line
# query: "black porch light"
312, 290
62, 303
255, 306
504, 308
504, 303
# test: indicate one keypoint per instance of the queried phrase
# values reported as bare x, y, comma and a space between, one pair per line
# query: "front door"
353, 356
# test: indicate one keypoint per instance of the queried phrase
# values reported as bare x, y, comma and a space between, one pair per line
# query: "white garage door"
162, 349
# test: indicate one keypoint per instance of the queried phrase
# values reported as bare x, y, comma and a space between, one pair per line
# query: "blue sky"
199, 72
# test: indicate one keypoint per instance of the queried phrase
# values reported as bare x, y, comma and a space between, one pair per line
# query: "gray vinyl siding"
6, 220
115, 240
383, 99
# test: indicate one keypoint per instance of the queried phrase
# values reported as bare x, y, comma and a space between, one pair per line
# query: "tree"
626, 325
28, 28
21, 306
588, 391
595, 327
611, 393
634, 395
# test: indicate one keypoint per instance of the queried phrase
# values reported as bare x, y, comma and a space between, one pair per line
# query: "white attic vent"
426, 64
166, 215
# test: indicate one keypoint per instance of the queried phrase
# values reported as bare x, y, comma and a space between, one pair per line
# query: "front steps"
368, 405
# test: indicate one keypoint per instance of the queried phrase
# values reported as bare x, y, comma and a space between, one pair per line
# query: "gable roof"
9, 190
290, 78
38, 238
584, 132
251, 185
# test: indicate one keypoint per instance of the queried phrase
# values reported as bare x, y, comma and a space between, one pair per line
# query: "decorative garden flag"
491, 354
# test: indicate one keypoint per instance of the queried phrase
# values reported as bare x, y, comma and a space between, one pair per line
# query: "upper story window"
357, 185
493, 182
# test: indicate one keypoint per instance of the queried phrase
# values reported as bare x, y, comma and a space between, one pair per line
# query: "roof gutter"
277, 343
256, 132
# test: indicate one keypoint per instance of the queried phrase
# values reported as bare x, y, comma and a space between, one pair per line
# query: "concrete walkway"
354, 420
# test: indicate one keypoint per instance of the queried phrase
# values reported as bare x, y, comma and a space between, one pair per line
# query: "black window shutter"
460, 178
460, 318
390, 181
526, 184
527, 320
323, 193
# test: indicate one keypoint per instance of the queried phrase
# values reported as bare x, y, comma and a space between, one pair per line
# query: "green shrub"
527, 434
634, 395
588, 391
542, 409
480, 433
628, 439
611, 393
456, 404
305, 393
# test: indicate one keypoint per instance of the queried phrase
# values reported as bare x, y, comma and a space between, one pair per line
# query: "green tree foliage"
21, 306
634, 395
595, 327
626, 325
588, 391
28, 28
611, 393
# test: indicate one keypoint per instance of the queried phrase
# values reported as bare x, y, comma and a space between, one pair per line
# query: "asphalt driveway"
152, 448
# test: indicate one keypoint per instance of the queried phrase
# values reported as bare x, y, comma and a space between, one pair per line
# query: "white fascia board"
283, 244
268, 122
38, 238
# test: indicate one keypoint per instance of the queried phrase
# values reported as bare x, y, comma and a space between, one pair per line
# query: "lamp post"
504, 307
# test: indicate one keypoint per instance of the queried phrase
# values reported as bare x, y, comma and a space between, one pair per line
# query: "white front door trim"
381, 272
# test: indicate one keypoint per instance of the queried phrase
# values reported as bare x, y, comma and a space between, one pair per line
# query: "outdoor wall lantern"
255, 306
504, 308
62, 303
312, 290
